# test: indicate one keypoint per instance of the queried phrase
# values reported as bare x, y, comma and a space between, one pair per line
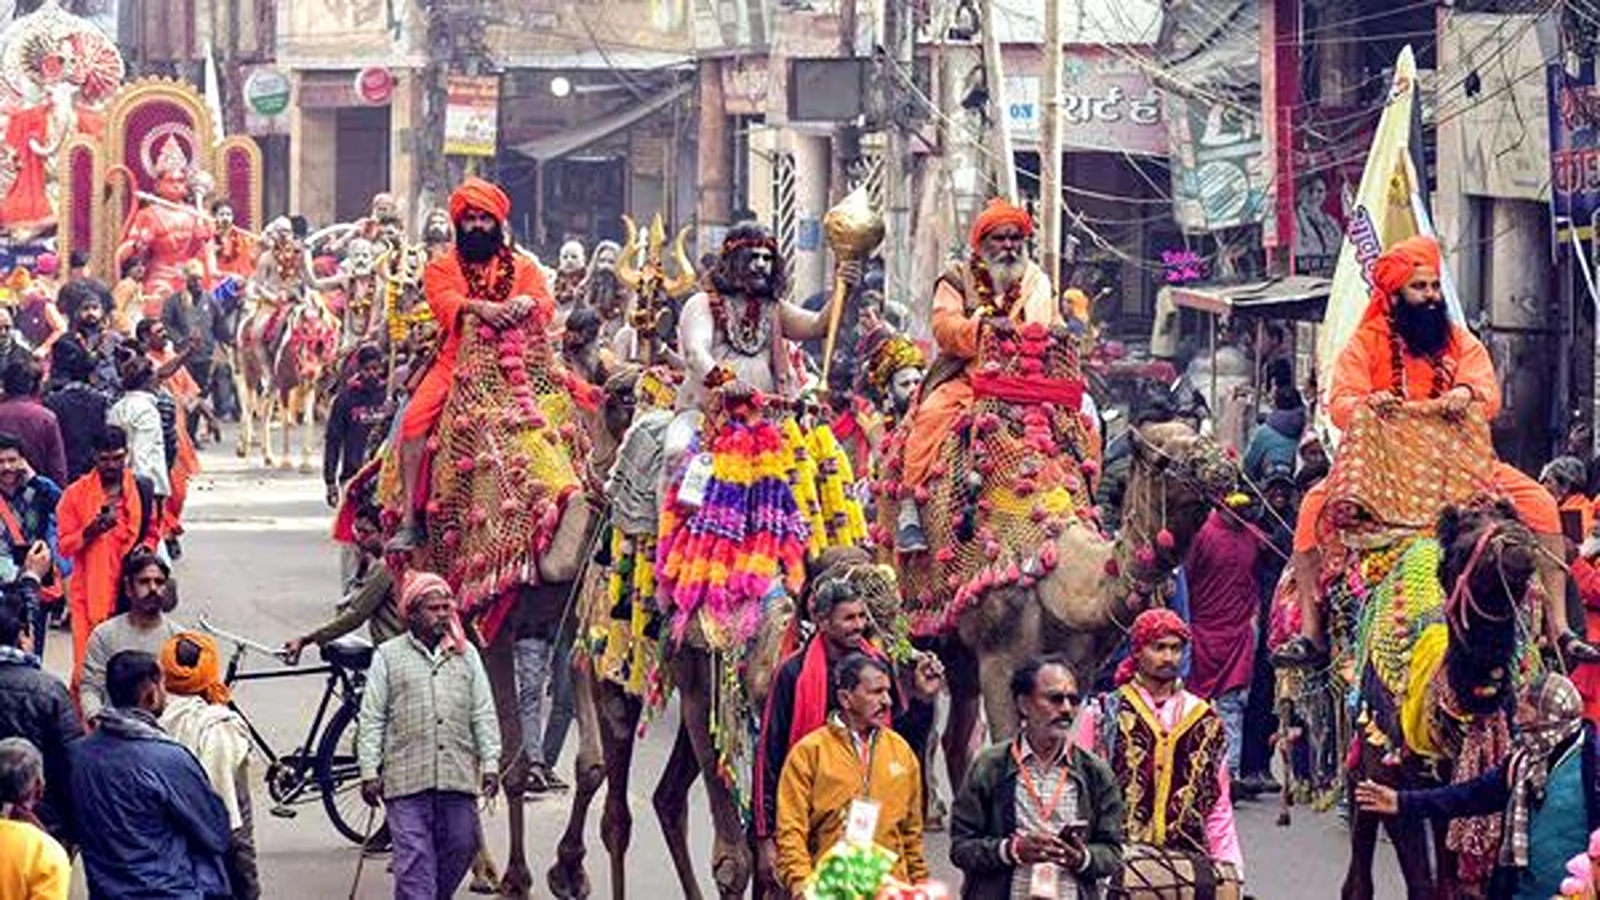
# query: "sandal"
1575, 651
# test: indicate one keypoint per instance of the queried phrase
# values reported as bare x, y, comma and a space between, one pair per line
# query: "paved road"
259, 563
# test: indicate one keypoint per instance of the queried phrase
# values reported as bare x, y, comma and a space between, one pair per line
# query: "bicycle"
324, 764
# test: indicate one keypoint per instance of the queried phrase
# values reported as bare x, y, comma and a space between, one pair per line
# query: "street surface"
258, 562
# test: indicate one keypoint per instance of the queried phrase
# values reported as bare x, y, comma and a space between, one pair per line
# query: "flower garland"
987, 305
287, 257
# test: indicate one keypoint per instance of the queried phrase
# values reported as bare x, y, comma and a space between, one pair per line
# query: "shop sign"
1221, 173
1107, 103
1574, 149
472, 115
375, 85
266, 91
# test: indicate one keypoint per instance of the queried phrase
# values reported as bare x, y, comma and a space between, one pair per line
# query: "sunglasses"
1061, 698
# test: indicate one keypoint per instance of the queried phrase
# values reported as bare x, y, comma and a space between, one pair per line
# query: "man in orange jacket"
1407, 351
481, 278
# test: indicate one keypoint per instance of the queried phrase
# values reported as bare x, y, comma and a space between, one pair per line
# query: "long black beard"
479, 246
757, 287
1425, 329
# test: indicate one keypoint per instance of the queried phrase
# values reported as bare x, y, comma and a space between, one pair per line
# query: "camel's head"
1178, 475
1488, 560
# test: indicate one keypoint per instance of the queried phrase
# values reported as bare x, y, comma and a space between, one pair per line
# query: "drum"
1152, 873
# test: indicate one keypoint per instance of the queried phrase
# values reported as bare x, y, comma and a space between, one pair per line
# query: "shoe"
1261, 783
379, 844
910, 539
406, 538
174, 548
1576, 651
1241, 790
553, 781
1299, 651
538, 781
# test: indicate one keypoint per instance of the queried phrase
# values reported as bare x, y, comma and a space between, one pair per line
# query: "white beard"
1004, 275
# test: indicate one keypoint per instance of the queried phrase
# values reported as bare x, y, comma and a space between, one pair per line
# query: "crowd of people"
137, 763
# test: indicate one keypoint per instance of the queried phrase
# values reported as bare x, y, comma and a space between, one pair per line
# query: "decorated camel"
1021, 564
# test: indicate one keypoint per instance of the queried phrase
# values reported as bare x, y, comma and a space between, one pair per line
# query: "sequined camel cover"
503, 465
1010, 477
1397, 471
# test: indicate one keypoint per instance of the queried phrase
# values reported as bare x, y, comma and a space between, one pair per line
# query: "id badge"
861, 827
692, 492
1044, 883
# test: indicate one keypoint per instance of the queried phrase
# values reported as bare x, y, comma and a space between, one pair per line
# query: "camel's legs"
696, 679
619, 717
671, 800
961, 672
499, 660
309, 430
567, 878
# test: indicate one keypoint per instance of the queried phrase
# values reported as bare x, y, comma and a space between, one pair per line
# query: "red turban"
1000, 212
475, 193
1151, 625
1392, 270
419, 584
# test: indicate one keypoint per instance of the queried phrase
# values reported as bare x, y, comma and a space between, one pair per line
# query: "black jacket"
81, 413
359, 412
984, 817
35, 705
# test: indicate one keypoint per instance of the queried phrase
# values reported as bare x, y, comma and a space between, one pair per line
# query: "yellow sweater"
822, 775
32, 865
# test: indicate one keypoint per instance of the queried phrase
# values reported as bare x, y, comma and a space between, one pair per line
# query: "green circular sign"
267, 91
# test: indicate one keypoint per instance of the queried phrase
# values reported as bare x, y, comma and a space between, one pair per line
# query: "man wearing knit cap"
998, 289
480, 282
1407, 351
428, 742
1167, 747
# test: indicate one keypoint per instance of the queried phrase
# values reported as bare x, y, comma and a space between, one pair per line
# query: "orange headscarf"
475, 193
204, 678
1393, 269
999, 212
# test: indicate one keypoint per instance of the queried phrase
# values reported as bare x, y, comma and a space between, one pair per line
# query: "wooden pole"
1050, 148
994, 73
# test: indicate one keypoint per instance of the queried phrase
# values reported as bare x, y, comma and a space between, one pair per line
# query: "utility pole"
994, 74
1050, 141
900, 42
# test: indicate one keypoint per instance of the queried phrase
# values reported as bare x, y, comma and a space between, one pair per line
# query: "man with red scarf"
1407, 351
1166, 746
997, 289
483, 279
799, 700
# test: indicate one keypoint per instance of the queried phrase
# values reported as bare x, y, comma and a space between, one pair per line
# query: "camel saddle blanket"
506, 459
618, 617
1395, 472
1152, 873
1009, 479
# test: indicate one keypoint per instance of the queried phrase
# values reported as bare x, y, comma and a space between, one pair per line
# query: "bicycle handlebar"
206, 626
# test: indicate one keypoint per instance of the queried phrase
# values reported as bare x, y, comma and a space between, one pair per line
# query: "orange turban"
1151, 625
1000, 212
475, 193
1392, 270
204, 678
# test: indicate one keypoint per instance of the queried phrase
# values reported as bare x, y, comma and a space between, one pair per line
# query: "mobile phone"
1075, 832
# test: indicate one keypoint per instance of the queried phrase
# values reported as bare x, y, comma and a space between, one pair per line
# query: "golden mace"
854, 231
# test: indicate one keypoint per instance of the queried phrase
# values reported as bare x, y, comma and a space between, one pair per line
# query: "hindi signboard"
472, 115
1574, 149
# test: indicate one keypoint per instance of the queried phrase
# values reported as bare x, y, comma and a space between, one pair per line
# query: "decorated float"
108, 168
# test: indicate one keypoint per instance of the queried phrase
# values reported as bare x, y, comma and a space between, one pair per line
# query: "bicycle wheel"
339, 777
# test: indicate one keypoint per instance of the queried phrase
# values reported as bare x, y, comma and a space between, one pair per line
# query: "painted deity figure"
167, 232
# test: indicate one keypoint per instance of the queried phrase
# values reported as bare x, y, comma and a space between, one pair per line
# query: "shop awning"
1301, 297
573, 139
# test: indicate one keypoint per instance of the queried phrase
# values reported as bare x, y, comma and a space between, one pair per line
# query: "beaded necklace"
1397, 364
478, 286
287, 256
746, 334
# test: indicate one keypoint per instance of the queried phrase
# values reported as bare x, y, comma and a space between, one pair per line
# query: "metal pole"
1005, 160
1050, 145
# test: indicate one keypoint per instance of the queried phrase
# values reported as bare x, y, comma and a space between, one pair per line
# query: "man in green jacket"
1036, 815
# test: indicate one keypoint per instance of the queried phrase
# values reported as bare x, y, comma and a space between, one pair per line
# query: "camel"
282, 354
1083, 606
1486, 560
